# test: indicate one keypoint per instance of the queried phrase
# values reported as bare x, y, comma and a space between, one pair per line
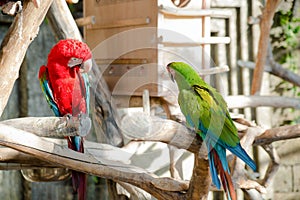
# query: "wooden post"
265, 26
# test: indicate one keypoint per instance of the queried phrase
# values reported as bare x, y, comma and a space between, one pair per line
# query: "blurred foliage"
285, 40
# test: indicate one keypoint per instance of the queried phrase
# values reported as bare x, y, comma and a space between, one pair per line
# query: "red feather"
63, 79
224, 176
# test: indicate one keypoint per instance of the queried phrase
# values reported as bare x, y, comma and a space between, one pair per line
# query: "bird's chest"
69, 94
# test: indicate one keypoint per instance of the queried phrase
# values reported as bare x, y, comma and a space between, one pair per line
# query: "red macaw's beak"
85, 66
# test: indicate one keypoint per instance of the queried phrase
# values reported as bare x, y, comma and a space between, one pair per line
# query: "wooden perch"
112, 162
149, 128
276, 134
242, 101
49, 126
62, 156
265, 26
273, 165
15, 43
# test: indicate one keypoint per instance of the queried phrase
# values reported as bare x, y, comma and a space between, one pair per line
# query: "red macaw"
65, 85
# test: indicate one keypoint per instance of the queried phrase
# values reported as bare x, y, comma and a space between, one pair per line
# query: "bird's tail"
79, 184
78, 178
218, 166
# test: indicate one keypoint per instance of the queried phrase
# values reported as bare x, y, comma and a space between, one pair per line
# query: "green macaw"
206, 111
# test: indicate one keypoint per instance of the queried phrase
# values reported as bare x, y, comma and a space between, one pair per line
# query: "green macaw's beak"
171, 73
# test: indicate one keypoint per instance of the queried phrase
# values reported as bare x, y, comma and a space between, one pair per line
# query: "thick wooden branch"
64, 157
147, 128
242, 101
142, 127
13, 48
200, 181
265, 26
62, 22
58, 127
276, 134
110, 162
273, 165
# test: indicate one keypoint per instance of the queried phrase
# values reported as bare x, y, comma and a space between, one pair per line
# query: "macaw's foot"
85, 124
82, 123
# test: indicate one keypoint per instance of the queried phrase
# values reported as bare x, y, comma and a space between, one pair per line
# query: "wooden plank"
85, 21
122, 23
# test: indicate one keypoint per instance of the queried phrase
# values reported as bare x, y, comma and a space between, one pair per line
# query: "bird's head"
183, 74
70, 55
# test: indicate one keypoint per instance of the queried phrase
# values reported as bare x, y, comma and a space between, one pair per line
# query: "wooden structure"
133, 47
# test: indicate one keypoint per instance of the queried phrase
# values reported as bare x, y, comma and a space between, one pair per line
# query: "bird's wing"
87, 91
206, 110
44, 83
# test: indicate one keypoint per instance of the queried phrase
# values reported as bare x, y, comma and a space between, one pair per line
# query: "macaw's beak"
171, 73
86, 66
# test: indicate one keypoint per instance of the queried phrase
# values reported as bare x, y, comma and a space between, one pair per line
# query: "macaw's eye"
74, 62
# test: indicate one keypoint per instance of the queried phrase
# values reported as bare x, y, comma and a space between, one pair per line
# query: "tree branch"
58, 127
273, 165
64, 157
98, 157
276, 134
62, 22
13, 48
265, 26
148, 128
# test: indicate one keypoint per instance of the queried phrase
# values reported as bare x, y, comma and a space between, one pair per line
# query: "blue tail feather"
221, 154
213, 171
242, 154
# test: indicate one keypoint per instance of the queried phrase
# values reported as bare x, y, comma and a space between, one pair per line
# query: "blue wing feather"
44, 83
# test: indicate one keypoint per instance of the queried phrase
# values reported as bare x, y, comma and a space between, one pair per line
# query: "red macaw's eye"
73, 62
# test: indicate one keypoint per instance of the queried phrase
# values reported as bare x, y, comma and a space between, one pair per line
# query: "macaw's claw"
85, 125
82, 123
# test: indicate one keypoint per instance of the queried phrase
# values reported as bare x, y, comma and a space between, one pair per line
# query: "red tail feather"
79, 181
225, 177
